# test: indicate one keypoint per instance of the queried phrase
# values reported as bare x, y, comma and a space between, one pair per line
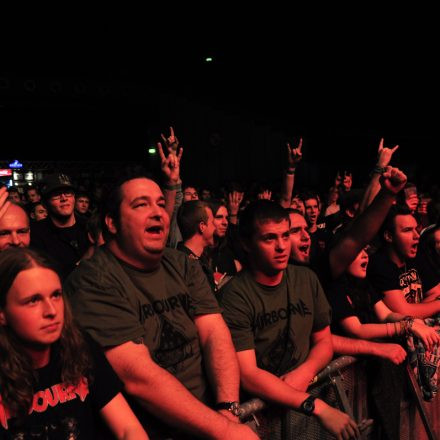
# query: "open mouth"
155, 229
304, 249
364, 264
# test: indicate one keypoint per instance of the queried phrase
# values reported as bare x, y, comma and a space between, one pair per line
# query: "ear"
111, 225
202, 227
2, 318
387, 236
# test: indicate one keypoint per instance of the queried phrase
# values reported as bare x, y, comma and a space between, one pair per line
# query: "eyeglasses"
66, 193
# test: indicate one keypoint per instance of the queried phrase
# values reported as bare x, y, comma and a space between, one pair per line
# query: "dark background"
103, 89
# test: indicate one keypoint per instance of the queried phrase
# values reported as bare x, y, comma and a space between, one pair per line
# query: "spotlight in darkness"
152, 151
209, 59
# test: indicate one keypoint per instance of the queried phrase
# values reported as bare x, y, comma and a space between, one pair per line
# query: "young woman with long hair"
53, 379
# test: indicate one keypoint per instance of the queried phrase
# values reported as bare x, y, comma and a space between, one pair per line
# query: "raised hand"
234, 200
393, 179
4, 202
384, 154
171, 142
170, 165
294, 155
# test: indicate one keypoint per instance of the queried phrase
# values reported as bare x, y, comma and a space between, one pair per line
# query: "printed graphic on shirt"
43, 400
265, 319
411, 286
173, 347
279, 357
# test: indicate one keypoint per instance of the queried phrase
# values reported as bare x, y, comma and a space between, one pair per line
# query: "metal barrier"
337, 384
343, 384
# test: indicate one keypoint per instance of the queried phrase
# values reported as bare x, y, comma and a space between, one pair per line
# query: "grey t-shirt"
117, 303
261, 317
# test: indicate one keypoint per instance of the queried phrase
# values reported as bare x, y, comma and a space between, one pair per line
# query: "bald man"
14, 224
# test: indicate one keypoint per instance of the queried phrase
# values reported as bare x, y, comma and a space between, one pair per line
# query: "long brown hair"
17, 377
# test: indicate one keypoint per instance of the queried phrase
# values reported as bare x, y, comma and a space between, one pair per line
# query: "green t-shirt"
117, 303
261, 317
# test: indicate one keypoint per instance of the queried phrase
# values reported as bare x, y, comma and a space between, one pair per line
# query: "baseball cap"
56, 182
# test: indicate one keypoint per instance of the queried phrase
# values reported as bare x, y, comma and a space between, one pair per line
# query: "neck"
396, 258
267, 279
195, 245
63, 222
313, 228
40, 356
146, 264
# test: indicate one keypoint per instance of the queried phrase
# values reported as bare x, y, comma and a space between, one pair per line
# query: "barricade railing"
343, 384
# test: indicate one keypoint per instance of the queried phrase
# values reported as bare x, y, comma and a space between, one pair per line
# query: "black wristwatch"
233, 407
308, 406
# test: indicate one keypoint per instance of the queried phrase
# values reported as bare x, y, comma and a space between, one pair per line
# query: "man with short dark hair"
196, 224
152, 310
61, 235
82, 204
393, 269
279, 319
32, 194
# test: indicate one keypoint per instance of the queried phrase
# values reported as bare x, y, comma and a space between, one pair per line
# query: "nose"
15, 239
281, 244
305, 236
49, 308
156, 210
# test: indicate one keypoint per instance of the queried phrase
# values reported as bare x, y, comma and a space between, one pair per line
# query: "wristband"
177, 186
378, 170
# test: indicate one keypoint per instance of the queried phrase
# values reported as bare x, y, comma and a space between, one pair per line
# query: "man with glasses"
62, 235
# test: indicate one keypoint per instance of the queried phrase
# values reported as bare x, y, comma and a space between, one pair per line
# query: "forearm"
161, 393
372, 331
319, 357
222, 366
287, 190
269, 387
371, 192
420, 310
343, 345
170, 198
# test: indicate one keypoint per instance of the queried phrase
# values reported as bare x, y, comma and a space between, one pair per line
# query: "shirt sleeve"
105, 384
102, 308
237, 316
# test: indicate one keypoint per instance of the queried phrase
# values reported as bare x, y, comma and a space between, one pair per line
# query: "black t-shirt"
349, 296
429, 273
65, 246
61, 412
385, 275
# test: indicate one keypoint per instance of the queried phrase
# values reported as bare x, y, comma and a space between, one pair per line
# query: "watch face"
235, 408
308, 405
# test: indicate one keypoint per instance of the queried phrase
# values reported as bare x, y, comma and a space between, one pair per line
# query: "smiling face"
358, 268
34, 308
142, 229
61, 203
299, 239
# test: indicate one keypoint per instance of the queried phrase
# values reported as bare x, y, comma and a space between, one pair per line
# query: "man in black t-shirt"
393, 270
61, 235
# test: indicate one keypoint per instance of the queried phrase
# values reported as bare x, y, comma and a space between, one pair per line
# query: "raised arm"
165, 397
4, 202
367, 224
294, 156
170, 166
384, 156
234, 200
